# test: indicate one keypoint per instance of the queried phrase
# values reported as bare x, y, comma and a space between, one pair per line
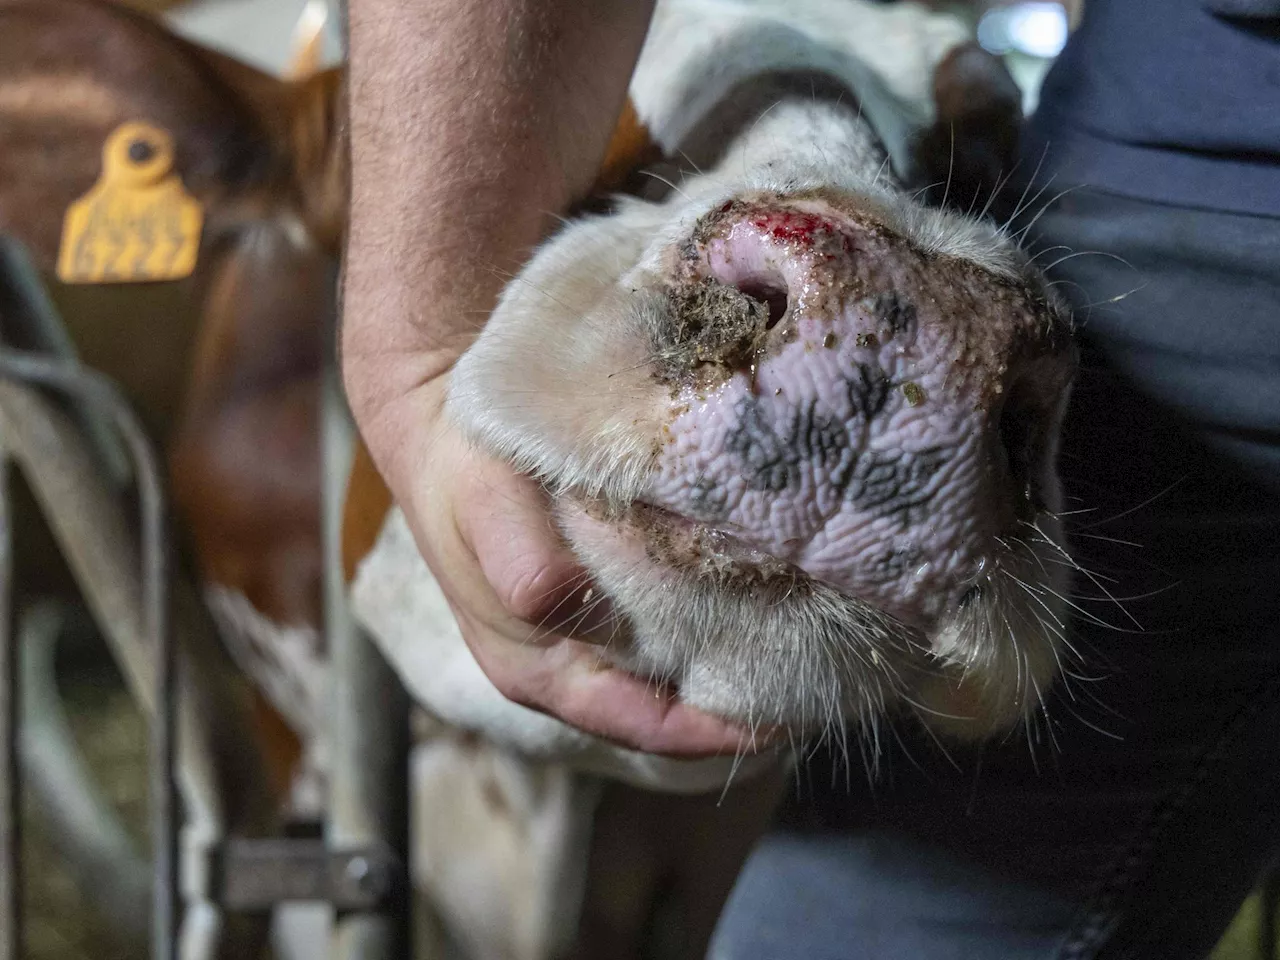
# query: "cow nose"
871, 413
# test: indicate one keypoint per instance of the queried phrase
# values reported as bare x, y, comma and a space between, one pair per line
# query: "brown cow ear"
367, 505
630, 149
112, 66
961, 159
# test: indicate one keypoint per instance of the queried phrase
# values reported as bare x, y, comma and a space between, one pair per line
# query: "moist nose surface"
836, 398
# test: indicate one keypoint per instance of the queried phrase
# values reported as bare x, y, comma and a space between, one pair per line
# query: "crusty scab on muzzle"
802, 432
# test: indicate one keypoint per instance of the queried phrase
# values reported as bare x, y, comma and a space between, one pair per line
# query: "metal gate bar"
369, 776
10, 813
97, 391
365, 856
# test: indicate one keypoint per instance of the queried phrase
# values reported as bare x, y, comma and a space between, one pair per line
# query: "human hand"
469, 129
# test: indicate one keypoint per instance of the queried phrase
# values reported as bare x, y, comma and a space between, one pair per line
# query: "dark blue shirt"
1176, 101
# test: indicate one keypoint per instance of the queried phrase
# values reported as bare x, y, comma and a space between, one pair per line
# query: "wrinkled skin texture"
858, 440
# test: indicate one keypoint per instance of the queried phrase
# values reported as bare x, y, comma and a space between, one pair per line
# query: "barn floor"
61, 922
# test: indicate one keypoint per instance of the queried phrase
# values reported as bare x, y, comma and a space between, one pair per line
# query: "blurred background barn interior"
66, 921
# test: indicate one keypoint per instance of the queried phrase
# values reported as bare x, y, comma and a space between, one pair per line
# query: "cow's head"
800, 426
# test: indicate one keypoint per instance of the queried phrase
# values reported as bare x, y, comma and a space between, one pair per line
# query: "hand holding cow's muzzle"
526, 608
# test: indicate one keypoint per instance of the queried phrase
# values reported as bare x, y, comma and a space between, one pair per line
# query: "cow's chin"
756, 640
738, 633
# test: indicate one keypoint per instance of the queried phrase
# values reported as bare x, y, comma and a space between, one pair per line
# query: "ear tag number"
137, 223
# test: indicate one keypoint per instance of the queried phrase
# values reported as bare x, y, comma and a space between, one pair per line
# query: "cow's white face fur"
804, 508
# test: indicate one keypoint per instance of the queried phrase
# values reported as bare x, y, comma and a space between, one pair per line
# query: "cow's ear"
630, 149
972, 145
364, 512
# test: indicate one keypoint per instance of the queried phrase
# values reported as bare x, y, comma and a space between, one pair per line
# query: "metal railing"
92, 389
225, 861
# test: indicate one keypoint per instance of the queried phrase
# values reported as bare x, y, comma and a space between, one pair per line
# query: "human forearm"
472, 123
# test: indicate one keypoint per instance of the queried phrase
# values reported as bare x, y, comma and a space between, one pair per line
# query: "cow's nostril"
771, 293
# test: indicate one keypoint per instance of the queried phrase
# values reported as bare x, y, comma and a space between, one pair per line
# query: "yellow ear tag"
137, 223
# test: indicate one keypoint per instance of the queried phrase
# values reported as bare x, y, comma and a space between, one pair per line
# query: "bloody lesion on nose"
733, 288
794, 226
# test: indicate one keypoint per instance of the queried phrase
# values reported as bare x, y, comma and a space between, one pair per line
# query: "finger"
488, 536
568, 680
504, 520
506, 571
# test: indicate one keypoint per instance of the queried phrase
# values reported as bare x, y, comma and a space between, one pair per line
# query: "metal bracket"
255, 875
